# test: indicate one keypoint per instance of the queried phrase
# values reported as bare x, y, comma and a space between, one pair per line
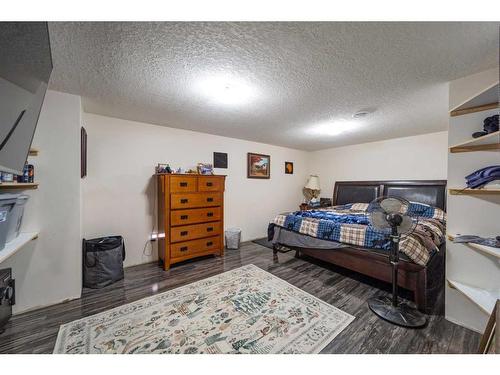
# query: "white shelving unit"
17, 244
472, 270
482, 298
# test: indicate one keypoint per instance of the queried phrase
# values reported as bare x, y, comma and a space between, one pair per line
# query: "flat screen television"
25, 68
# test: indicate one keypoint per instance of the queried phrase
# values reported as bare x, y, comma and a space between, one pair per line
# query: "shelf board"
495, 251
479, 108
18, 186
17, 244
483, 101
489, 142
33, 152
484, 299
473, 191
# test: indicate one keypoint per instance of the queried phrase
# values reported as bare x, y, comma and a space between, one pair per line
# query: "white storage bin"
7, 204
16, 219
233, 237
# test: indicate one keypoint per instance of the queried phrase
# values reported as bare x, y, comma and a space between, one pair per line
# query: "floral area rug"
246, 310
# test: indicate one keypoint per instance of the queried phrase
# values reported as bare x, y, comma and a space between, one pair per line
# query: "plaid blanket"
349, 224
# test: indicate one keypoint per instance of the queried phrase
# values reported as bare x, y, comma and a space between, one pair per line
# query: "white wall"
48, 270
422, 157
119, 192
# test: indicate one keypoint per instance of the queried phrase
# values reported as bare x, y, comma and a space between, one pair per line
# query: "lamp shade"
313, 183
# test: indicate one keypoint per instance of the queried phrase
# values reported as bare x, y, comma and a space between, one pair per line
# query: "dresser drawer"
210, 184
183, 184
191, 232
193, 200
196, 215
185, 249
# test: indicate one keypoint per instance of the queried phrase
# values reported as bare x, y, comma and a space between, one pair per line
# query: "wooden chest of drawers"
190, 217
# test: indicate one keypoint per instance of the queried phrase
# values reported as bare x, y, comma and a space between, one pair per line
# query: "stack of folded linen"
493, 242
483, 176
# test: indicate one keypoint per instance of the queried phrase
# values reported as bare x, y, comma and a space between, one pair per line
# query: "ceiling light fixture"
334, 128
226, 89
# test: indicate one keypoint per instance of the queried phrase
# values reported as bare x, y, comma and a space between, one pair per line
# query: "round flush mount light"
333, 128
226, 90
362, 113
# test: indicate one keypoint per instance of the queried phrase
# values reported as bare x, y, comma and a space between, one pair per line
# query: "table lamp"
311, 191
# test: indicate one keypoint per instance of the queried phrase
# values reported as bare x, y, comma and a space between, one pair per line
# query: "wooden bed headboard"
432, 192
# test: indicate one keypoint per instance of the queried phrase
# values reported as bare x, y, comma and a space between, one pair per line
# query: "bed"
424, 280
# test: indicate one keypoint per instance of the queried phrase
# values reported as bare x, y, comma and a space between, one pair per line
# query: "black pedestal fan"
392, 214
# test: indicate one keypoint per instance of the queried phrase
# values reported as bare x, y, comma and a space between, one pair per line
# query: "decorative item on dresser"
190, 217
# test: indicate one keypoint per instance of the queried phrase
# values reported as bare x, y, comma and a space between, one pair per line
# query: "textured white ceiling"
303, 77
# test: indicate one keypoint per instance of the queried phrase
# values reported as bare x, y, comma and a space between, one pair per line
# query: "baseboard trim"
461, 324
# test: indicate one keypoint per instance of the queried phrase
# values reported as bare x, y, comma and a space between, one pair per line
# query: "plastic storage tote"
7, 204
233, 237
16, 219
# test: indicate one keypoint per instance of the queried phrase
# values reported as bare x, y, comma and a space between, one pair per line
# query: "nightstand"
304, 207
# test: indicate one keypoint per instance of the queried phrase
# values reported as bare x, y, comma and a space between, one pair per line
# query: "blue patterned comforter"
349, 224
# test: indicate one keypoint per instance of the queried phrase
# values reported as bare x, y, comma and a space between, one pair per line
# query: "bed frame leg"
297, 253
275, 249
420, 293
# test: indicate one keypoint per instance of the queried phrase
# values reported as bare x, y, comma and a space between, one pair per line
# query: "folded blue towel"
483, 176
493, 242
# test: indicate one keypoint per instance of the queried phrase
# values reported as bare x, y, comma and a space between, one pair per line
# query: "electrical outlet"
156, 236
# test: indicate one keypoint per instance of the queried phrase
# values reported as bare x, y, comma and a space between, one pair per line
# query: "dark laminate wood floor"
36, 332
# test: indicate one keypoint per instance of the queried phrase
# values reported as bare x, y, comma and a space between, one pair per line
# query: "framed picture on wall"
258, 165
220, 160
288, 167
83, 152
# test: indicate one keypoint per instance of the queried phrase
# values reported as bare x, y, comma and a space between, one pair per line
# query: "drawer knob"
210, 184
210, 229
183, 248
210, 214
210, 199
184, 233
184, 217
184, 200
184, 184
210, 243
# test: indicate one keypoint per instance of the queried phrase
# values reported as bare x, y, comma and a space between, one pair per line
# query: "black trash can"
103, 261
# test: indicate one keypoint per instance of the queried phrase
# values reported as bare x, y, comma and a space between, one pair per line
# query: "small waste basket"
7, 204
233, 236
16, 219
103, 261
